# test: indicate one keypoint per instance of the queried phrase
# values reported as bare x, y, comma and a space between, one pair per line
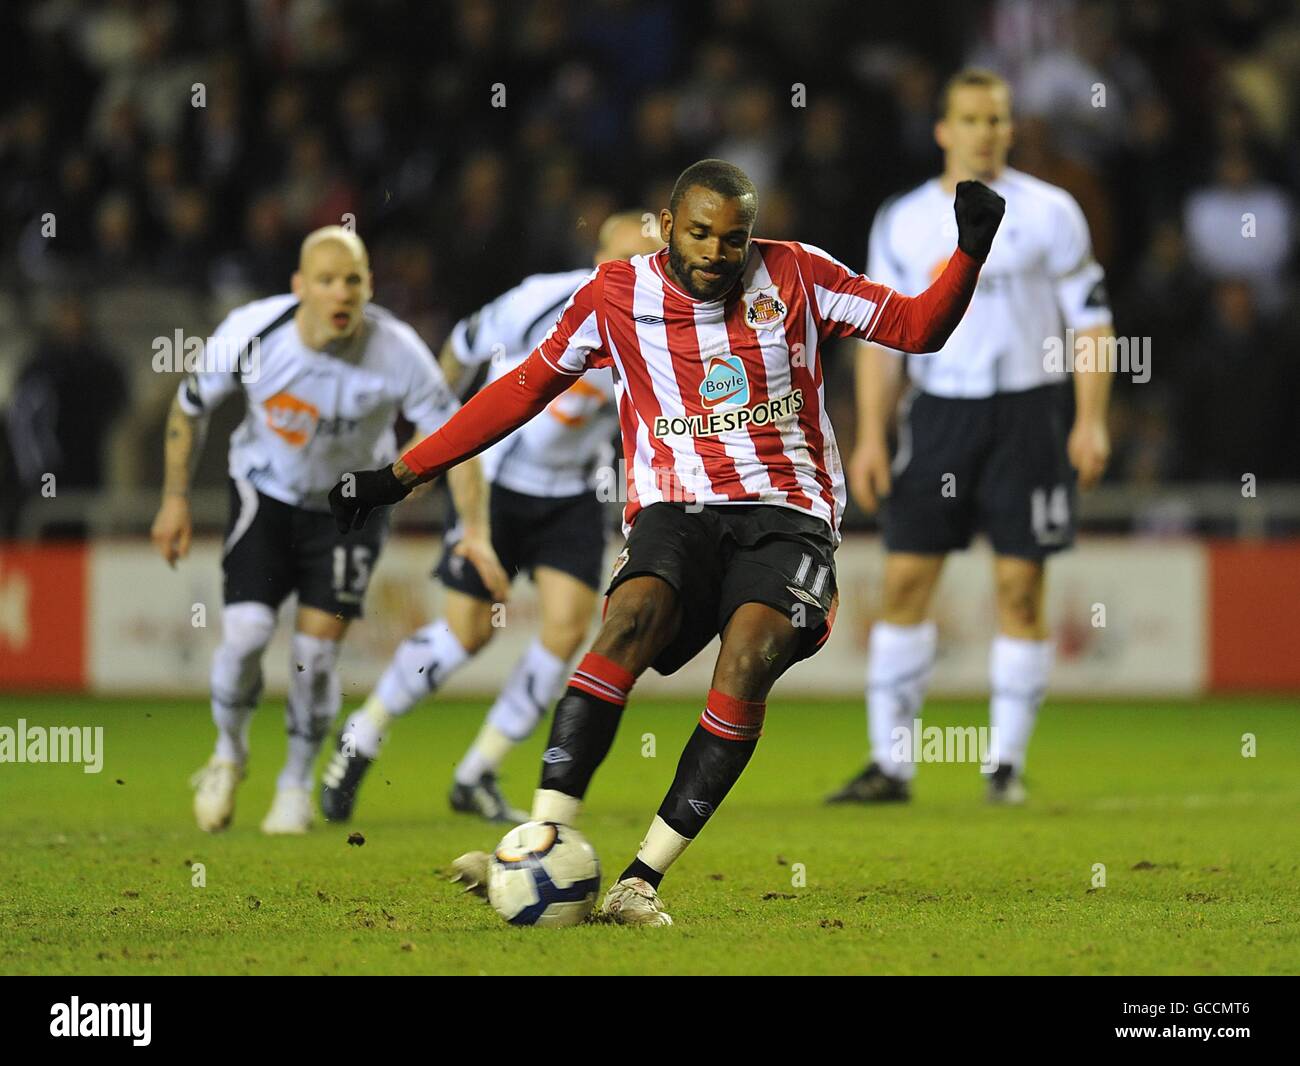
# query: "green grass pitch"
1201, 848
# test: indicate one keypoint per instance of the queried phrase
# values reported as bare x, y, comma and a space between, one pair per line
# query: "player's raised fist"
360, 492
979, 213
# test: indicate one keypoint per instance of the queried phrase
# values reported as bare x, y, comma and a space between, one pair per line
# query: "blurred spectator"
391, 111
1242, 227
1090, 93
67, 397
116, 236
752, 134
265, 257
1235, 414
1035, 153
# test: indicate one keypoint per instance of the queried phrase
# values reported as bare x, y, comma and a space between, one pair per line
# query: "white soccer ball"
543, 873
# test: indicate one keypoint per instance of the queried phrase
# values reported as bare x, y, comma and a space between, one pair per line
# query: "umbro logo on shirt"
650, 320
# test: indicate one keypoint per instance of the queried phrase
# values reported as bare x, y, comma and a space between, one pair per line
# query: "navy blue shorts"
996, 464
565, 533
273, 549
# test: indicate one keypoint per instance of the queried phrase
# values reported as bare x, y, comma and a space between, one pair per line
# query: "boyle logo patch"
724, 382
764, 310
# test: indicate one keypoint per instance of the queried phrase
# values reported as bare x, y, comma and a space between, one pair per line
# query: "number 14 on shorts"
1050, 514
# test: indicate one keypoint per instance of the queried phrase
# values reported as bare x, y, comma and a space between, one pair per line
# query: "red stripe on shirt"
688, 368
768, 445
620, 291
785, 271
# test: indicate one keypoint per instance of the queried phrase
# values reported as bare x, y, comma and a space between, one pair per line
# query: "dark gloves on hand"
358, 493
979, 213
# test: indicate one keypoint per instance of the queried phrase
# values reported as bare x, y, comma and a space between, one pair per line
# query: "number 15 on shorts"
351, 570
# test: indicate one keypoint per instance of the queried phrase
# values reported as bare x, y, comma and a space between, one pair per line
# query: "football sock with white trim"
583, 728
714, 758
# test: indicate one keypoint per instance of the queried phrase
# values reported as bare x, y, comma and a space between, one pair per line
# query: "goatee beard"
680, 270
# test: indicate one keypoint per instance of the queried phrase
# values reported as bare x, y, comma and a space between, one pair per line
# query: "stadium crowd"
183, 150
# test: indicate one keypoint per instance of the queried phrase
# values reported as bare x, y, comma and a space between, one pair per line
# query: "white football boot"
290, 813
472, 871
214, 793
633, 901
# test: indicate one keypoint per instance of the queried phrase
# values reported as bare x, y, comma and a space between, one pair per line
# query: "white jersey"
1040, 278
311, 415
556, 453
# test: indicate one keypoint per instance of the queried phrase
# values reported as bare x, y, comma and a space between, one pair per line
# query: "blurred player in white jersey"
546, 521
324, 375
984, 441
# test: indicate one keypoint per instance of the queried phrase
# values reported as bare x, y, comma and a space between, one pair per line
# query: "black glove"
359, 493
979, 212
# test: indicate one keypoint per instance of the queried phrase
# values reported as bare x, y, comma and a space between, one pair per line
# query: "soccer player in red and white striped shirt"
735, 488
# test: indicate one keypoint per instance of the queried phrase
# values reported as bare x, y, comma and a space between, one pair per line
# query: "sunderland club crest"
763, 309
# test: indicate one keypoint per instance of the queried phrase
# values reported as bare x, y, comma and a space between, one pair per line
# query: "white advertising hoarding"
1128, 618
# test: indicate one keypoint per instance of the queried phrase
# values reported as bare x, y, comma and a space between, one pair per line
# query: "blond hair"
970, 78
334, 235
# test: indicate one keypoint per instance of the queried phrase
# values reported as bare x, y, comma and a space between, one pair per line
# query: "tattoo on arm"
184, 443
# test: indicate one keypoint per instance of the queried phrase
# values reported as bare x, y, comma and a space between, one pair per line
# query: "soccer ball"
543, 873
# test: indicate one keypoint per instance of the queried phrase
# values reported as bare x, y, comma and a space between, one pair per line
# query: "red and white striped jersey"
722, 401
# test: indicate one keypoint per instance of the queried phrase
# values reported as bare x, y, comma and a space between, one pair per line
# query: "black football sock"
709, 766
636, 868
712, 761
585, 721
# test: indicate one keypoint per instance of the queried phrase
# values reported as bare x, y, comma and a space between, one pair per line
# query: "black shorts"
274, 548
996, 464
718, 558
566, 533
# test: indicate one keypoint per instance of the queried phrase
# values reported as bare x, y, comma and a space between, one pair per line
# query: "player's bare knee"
750, 663
636, 622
